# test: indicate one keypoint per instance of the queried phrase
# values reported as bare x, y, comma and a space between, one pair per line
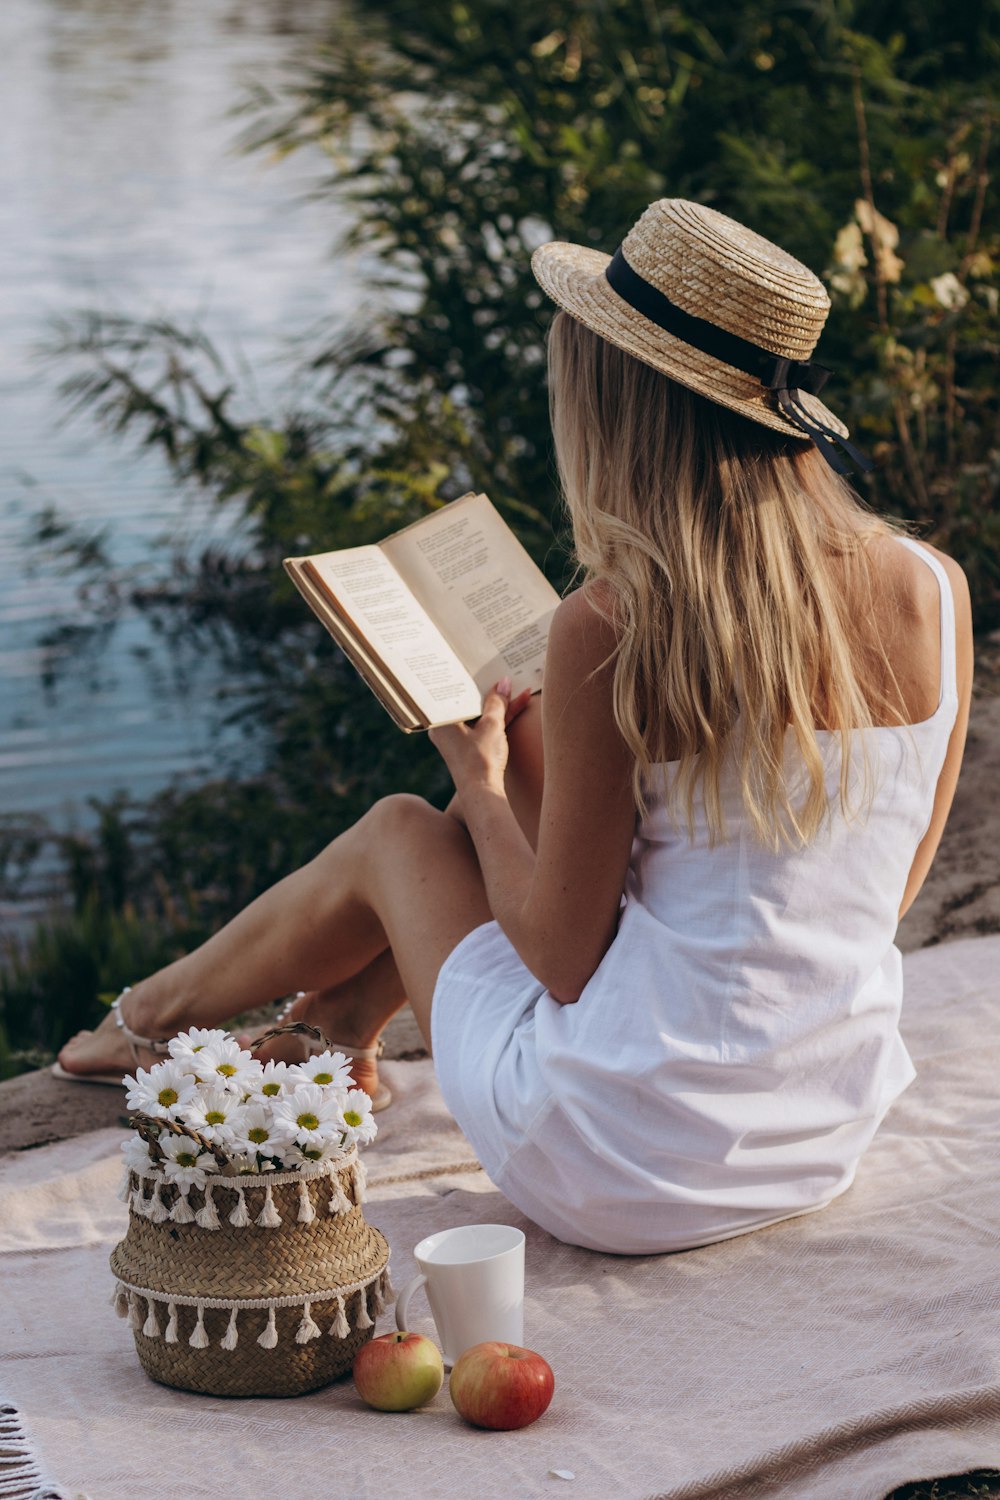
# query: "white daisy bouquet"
211, 1107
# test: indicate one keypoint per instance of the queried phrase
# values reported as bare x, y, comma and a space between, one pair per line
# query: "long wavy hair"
736, 569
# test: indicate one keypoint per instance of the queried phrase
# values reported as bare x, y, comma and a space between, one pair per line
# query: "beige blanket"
831, 1357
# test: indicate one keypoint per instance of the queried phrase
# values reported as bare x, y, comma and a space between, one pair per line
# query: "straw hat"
714, 306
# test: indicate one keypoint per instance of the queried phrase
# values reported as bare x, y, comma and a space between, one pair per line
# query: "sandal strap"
366, 1054
156, 1045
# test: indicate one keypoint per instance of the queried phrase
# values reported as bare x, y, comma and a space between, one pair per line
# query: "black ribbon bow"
787, 378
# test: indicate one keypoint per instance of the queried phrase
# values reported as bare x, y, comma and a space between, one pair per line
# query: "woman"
656, 1036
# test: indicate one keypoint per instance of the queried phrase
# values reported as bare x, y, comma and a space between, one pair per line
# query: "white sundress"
731, 1058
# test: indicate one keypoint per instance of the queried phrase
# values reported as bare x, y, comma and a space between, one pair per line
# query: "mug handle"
403, 1301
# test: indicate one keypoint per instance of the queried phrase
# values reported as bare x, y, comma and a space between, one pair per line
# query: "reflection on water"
120, 189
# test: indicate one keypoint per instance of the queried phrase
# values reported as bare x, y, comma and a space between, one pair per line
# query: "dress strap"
949, 671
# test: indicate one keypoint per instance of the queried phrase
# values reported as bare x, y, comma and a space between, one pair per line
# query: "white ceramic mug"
474, 1277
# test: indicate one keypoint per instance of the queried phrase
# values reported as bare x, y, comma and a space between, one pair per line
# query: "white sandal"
156, 1045
383, 1095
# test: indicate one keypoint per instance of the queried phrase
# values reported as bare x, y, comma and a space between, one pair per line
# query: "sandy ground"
960, 898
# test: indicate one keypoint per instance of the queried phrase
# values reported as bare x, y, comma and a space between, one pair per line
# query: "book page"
401, 708
367, 589
481, 588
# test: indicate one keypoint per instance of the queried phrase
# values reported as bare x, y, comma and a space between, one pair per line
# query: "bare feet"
106, 1048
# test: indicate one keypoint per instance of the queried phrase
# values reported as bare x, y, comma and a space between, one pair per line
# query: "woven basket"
259, 1285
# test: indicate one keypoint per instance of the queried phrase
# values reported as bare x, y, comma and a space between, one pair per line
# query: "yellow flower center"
257, 1134
271, 1089
322, 1078
215, 1117
352, 1117
307, 1122
186, 1158
167, 1096
226, 1069
312, 1153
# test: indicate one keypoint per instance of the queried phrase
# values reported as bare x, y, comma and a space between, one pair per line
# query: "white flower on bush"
359, 1125
162, 1092
310, 1115
272, 1081
949, 291
328, 1069
217, 1114
258, 1132
185, 1163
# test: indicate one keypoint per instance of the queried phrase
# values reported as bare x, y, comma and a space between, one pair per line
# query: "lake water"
120, 189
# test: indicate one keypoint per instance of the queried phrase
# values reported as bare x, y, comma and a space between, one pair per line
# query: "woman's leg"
327, 1009
404, 877
331, 1010
321, 930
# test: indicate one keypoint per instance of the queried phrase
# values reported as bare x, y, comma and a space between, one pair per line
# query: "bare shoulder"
909, 586
583, 627
580, 661
963, 600
954, 570
912, 625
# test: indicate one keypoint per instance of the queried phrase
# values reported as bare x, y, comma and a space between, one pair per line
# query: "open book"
434, 615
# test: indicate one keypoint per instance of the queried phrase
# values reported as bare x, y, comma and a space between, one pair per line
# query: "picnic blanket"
837, 1355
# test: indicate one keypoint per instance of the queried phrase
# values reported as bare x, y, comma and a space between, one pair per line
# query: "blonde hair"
734, 567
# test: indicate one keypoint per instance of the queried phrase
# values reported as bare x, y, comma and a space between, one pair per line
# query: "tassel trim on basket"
306, 1212
260, 1211
207, 1216
363, 1298
239, 1217
181, 1211
268, 1218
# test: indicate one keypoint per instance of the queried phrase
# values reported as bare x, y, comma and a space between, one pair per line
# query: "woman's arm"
559, 906
524, 776
948, 777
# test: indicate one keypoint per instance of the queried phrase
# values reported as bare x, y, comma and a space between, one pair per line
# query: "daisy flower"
273, 1080
185, 1163
217, 1114
187, 1044
226, 1064
258, 1132
162, 1092
326, 1069
295, 1155
135, 1154
359, 1126
310, 1115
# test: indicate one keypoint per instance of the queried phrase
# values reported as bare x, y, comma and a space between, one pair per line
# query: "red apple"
501, 1386
398, 1371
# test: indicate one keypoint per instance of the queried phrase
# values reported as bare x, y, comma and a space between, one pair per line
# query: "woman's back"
737, 1047
765, 909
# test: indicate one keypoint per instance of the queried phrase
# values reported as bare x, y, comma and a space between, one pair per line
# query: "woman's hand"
477, 753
